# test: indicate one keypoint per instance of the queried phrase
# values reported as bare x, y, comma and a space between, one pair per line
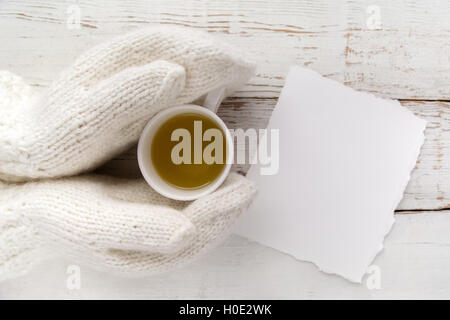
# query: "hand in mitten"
112, 224
99, 106
96, 109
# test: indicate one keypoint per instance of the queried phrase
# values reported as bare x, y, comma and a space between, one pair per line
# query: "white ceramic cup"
148, 169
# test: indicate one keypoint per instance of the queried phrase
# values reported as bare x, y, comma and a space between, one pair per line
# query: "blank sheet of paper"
345, 160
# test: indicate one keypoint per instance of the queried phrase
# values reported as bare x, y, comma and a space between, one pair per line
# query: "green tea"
192, 156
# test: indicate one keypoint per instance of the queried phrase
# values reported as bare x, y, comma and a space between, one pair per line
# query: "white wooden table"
394, 49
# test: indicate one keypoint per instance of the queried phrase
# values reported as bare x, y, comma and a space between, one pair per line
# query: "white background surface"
349, 147
407, 57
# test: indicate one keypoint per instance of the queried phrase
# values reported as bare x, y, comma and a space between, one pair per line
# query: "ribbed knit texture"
112, 224
96, 109
99, 106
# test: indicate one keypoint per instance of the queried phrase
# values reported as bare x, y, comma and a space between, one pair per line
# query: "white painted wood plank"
408, 58
429, 186
414, 264
332, 38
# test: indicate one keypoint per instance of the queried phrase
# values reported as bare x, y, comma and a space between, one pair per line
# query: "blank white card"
345, 159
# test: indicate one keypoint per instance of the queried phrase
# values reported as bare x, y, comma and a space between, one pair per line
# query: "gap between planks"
428, 188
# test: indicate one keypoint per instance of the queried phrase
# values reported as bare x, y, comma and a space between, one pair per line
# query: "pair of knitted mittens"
94, 111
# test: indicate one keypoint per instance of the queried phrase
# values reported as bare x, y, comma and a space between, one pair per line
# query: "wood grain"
407, 58
428, 188
414, 264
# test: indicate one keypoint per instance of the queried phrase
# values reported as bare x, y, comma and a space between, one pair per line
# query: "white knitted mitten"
112, 224
94, 111
99, 106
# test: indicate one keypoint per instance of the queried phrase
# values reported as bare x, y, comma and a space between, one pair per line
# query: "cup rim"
190, 194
